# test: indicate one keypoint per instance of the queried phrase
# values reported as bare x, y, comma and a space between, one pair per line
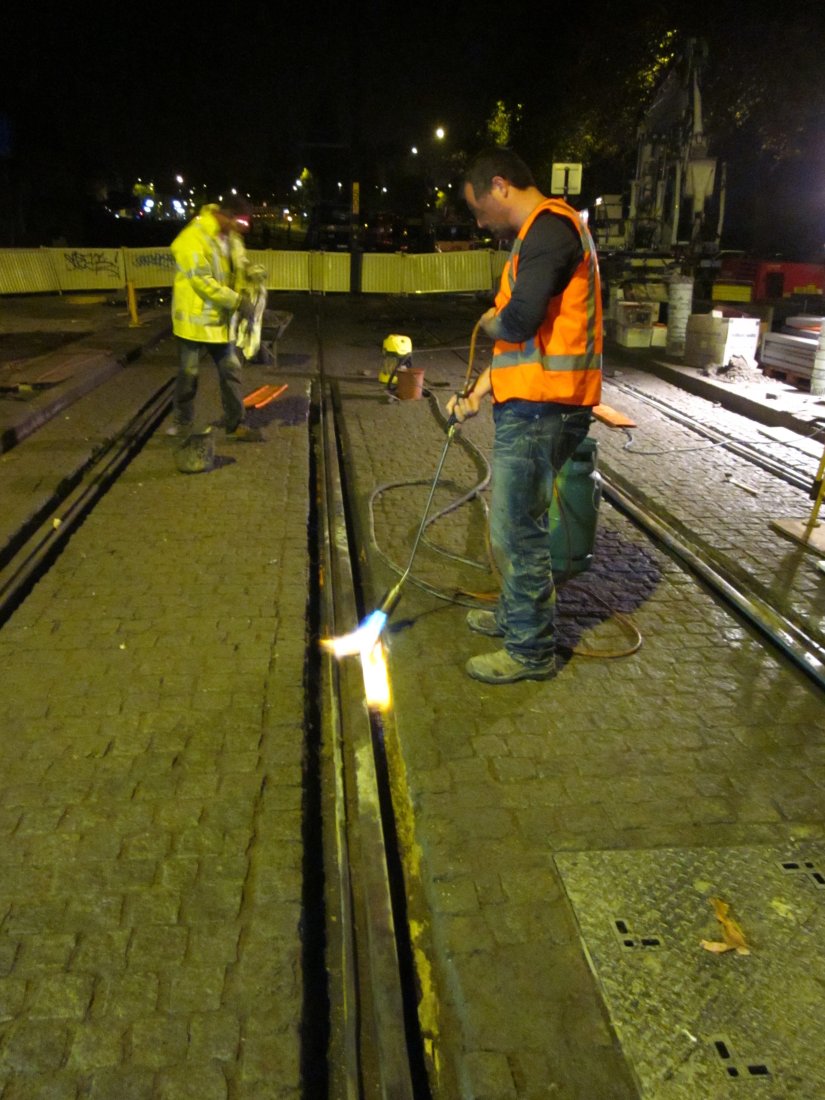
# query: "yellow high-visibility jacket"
562, 363
204, 294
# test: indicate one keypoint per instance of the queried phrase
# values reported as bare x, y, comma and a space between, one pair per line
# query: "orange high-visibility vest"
563, 361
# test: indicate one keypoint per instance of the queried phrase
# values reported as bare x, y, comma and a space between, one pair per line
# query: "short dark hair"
497, 160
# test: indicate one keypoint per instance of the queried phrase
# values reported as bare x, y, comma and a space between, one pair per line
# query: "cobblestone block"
158, 1042
196, 989
122, 1083
214, 1035
192, 1083
125, 996
37, 953
210, 941
63, 996
32, 1047
269, 1053
46, 1086
95, 1046
155, 946
12, 996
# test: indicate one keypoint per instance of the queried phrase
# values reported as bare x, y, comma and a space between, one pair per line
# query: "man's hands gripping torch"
462, 407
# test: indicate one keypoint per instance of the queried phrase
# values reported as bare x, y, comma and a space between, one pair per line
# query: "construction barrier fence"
59, 270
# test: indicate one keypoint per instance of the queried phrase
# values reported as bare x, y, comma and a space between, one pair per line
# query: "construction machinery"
676, 200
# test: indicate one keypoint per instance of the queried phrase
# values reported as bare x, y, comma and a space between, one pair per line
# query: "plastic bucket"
574, 512
410, 384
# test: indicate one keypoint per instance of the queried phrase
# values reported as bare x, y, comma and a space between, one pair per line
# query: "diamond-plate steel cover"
696, 1025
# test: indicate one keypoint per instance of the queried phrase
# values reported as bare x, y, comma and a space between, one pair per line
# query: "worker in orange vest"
544, 379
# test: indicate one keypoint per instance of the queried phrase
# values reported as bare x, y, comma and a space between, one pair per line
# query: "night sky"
247, 95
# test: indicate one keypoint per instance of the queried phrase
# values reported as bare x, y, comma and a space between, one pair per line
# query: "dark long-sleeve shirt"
550, 253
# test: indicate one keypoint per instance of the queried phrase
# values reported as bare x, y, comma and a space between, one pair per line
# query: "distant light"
439, 133
234, 191
179, 179
178, 207
599, 201
414, 150
383, 190
148, 205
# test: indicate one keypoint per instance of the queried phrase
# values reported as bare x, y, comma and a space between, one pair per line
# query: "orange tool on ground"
612, 417
263, 396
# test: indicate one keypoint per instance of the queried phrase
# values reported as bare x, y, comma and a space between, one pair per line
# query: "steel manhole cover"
693, 1024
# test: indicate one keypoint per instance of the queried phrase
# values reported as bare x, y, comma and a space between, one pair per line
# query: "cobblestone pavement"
151, 798
152, 753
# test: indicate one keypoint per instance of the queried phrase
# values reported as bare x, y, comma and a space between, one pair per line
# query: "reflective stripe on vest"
562, 362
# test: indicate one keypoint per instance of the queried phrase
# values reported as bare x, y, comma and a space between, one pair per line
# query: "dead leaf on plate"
733, 938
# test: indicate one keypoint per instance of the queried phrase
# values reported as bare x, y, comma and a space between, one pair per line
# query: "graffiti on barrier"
155, 259
96, 262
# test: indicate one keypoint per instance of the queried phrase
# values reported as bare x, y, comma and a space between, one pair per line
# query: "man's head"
497, 186
234, 213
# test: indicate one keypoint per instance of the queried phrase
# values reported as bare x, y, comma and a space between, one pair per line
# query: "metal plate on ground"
695, 1025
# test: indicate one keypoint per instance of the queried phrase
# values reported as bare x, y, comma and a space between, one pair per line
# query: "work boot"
243, 434
484, 622
500, 668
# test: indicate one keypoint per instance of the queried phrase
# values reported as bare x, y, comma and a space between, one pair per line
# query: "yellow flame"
358, 640
366, 641
376, 677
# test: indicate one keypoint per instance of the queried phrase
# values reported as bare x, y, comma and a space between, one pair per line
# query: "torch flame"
376, 680
358, 640
366, 641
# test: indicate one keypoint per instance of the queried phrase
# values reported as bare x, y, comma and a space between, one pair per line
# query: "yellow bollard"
131, 300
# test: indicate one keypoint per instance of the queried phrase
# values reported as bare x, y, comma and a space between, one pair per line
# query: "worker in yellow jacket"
544, 379
207, 294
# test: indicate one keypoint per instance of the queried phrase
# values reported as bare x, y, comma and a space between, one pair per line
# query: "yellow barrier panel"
448, 272
89, 268
149, 267
284, 270
383, 273
330, 271
27, 271
43, 270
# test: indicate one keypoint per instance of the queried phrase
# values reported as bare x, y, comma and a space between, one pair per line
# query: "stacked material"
712, 338
792, 351
634, 323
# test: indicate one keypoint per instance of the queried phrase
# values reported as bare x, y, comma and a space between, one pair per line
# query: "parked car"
460, 237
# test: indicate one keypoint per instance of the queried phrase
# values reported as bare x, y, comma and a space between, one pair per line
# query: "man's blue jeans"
532, 442
228, 365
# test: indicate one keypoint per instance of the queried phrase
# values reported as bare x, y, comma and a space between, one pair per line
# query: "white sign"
566, 179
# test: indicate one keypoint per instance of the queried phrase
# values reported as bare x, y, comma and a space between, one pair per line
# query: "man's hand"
245, 308
487, 319
462, 408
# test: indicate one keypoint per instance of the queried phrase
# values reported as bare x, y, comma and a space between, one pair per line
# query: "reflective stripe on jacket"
563, 361
203, 298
